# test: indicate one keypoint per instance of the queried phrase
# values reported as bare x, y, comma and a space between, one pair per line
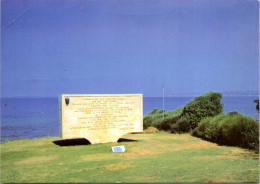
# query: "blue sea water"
28, 118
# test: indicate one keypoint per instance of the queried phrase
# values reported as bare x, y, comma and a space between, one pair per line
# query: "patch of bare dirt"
242, 153
99, 157
118, 166
214, 157
151, 178
235, 154
225, 180
139, 151
77, 180
174, 137
202, 144
34, 160
151, 130
237, 151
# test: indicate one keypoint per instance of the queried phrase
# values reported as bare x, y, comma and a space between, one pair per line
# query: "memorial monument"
100, 118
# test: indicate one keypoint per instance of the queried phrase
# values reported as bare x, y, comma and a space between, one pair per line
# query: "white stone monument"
100, 118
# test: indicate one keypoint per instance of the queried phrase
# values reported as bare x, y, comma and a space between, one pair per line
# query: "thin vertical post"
163, 100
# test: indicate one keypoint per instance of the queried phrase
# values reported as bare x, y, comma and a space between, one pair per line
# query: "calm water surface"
38, 117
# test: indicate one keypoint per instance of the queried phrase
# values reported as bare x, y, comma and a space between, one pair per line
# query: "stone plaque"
100, 118
118, 149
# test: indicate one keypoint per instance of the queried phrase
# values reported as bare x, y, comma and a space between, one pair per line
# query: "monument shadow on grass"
83, 141
126, 140
72, 142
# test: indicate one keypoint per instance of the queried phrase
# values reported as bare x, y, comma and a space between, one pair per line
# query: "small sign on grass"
118, 149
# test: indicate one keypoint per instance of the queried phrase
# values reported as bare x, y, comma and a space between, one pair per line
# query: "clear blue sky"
52, 47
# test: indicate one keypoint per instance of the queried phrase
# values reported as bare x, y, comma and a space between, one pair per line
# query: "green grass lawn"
160, 157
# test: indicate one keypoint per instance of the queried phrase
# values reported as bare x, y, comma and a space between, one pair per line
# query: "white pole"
163, 101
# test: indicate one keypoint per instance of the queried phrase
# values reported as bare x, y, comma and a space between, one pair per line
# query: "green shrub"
184, 124
166, 124
155, 119
186, 118
174, 113
169, 124
5, 140
250, 134
147, 121
230, 129
201, 129
206, 105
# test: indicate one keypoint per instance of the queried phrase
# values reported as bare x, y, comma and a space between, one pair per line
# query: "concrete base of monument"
97, 137
83, 141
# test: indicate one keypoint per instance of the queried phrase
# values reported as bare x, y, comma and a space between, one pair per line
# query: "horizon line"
166, 96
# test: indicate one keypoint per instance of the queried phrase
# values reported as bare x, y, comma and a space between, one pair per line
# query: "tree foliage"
230, 129
186, 118
206, 105
257, 105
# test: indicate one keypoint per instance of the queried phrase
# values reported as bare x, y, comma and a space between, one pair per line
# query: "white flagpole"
163, 101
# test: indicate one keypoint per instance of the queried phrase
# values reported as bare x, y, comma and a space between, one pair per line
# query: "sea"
33, 118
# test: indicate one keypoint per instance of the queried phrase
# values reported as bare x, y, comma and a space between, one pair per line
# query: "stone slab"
100, 118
